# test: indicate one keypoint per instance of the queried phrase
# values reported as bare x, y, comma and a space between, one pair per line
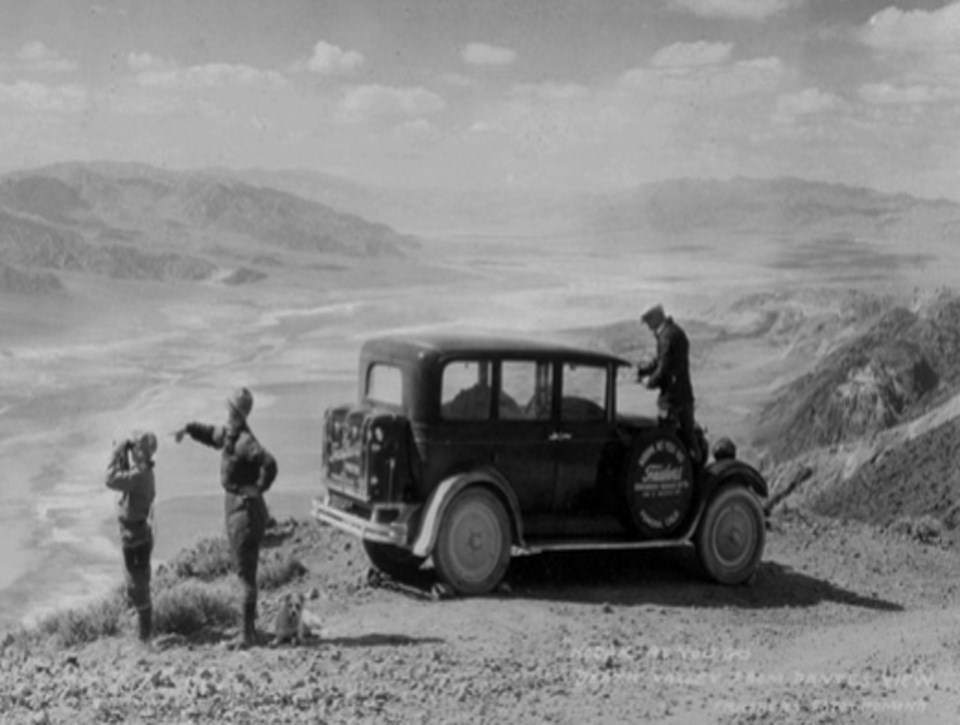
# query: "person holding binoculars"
130, 472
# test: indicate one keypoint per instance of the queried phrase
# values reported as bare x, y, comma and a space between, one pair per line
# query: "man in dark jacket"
247, 470
130, 472
670, 374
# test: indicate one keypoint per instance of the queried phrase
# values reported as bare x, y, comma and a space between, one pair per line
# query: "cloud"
212, 75
808, 102
921, 49
917, 31
373, 102
328, 59
488, 55
142, 62
35, 56
689, 55
888, 94
39, 97
737, 9
700, 84
144, 103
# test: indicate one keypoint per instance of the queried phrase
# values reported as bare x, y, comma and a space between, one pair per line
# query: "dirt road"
842, 624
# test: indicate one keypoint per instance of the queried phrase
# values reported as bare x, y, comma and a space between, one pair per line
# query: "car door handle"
558, 436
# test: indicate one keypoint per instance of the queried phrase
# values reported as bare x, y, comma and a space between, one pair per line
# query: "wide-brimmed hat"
241, 401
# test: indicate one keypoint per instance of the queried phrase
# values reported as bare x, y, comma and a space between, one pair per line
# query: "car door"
584, 432
524, 414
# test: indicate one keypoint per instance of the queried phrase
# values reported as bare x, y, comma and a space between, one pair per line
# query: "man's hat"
241, 401
654, 314
146, 442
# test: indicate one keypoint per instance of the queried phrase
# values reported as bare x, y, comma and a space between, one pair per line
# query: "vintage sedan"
468, 449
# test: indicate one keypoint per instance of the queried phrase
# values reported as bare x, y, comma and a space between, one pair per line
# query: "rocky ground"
843, 623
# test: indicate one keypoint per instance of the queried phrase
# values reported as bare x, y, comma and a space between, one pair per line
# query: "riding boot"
250, 623
145, 620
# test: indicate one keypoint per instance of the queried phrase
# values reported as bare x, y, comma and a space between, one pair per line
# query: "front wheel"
473, 544
392, 560
731, 535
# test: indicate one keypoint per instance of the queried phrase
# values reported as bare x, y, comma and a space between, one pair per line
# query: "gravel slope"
843, 623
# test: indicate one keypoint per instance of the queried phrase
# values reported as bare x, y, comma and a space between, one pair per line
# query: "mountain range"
134, 221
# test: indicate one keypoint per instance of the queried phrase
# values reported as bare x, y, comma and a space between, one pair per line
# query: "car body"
468, 449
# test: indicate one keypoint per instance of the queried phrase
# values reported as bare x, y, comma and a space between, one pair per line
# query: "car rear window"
385, 385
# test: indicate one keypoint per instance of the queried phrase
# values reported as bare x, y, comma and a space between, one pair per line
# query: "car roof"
447, 344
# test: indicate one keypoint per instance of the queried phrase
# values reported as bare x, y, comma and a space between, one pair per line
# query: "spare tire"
658, 485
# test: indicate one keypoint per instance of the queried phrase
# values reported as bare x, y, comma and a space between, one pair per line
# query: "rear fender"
447, 490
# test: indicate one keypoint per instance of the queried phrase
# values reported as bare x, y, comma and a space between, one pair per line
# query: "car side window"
527, 387
466, 391
584, 392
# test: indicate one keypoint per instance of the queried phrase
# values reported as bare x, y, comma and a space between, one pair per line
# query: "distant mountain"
768, 206
438, 211
135, 221
896, 370
16, 281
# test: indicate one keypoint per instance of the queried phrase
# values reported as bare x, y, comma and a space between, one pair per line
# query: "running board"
540, 547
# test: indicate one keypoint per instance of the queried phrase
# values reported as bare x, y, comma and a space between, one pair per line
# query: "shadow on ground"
672, 577
667, 577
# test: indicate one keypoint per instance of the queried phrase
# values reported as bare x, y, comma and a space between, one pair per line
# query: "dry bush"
188, 607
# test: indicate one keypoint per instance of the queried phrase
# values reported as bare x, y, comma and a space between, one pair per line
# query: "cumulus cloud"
706, 82
40, 97
924, 45
808, 102
888, 94
328, 59
743, 9
36, 56
211, 75
141, 62
551, 91
920, 31
372, 102
488, 55
689, 55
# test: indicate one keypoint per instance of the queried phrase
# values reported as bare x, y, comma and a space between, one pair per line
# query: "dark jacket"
670, 372
246, 467
134, 509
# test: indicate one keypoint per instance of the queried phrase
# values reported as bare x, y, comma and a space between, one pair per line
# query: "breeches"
246, 521
136, 563
680, 418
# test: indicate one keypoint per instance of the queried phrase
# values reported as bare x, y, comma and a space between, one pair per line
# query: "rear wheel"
731, 535
392, 560
473, 544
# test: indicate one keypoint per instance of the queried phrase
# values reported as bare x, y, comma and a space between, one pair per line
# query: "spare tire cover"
658, 485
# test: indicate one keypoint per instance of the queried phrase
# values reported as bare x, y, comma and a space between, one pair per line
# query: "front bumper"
383, 523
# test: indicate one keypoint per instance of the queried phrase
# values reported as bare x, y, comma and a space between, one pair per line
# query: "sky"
553, 95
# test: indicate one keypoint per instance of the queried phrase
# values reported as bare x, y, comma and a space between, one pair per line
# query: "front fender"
719, 472
448, 489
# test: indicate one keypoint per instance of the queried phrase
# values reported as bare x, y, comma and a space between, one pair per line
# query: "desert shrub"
187, 599
278, 570
206, 560
189, 606
100, 618
925, 529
